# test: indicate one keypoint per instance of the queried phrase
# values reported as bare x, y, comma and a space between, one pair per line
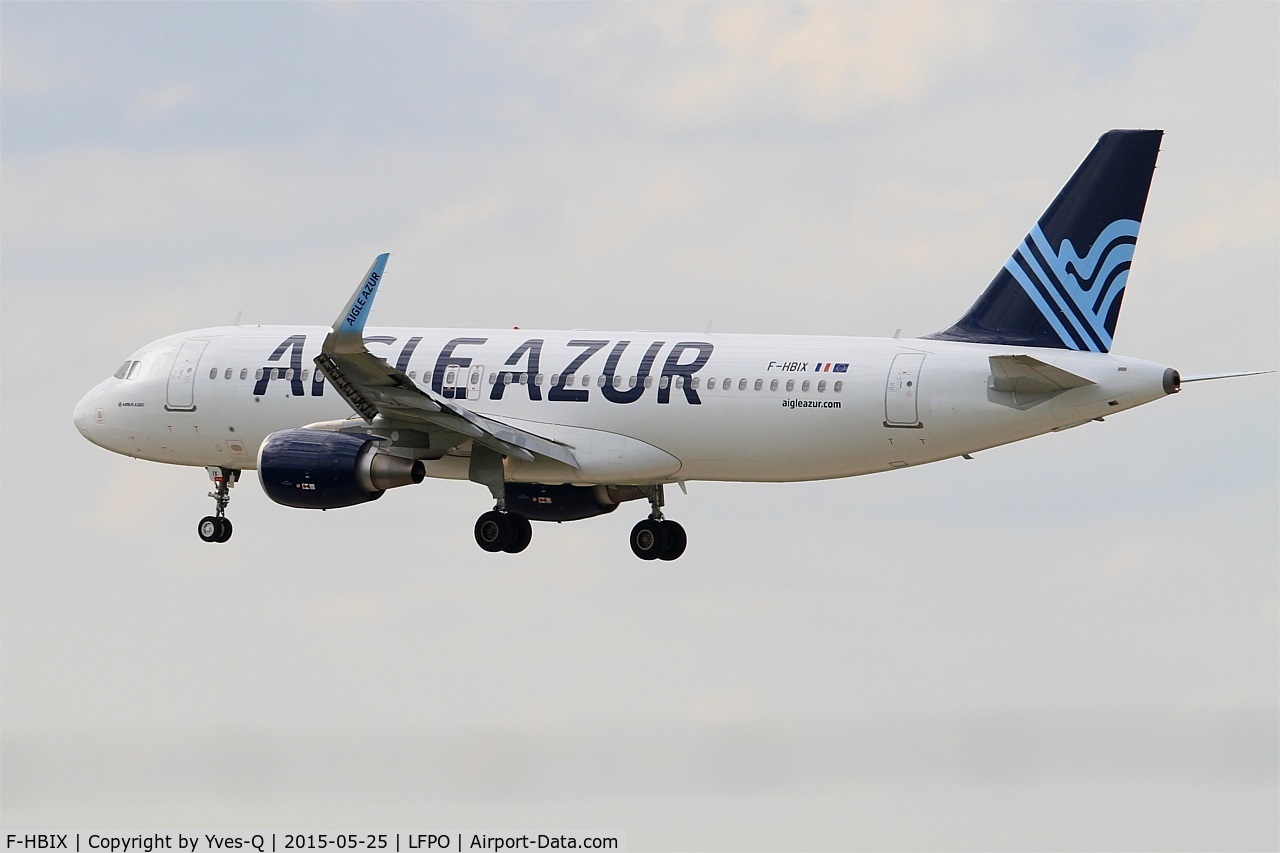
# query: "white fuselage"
678, 407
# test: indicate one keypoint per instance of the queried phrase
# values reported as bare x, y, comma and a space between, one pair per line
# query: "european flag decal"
829, 367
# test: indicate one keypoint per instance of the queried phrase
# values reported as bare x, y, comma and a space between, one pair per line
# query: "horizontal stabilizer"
1022, 374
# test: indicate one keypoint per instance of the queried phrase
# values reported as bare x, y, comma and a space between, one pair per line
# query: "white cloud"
155, 102
698, 66
1229, 210
33, 69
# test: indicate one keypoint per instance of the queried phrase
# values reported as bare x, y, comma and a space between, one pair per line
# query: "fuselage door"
449, 386
182, 378
902, 391
475, 375
462, 383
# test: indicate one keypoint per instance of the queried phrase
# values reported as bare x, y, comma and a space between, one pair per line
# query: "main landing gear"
217, 527
498, 530
654, 538
657, 538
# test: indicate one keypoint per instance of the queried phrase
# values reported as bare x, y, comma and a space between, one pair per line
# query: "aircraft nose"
88, 413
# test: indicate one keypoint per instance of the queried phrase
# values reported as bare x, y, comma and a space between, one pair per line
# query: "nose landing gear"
217, 527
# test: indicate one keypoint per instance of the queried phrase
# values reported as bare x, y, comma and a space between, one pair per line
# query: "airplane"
568, 425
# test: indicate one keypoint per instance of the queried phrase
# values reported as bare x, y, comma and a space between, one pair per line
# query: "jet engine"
316, 469
538, 502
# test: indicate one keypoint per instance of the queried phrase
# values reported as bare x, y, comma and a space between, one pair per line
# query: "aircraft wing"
374, 388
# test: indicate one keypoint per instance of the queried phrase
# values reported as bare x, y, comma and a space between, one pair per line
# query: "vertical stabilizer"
1063, 285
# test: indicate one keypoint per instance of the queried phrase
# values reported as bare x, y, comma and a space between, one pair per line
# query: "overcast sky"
1073, 642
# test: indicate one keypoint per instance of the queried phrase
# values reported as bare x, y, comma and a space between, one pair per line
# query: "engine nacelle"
316, 469
538, 502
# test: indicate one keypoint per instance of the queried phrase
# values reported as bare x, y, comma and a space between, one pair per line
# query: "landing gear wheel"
210, 528
649, 539
214, 529
523, 533
676, 540
495, 531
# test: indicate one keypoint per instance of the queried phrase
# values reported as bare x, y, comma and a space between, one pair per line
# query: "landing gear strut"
497, 530
657, 538
217, 527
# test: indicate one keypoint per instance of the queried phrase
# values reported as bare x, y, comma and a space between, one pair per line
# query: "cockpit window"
128, 370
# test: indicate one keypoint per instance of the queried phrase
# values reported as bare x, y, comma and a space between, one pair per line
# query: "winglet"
349, 327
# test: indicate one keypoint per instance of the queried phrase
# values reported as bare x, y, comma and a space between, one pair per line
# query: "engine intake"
317, 469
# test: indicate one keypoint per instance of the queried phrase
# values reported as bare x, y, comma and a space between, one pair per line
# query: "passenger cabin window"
759, 384
227, 375
791, 385
692, 384
805, 386
244, 373
742, 384
822, 385
773, 386
838, 387
213, 373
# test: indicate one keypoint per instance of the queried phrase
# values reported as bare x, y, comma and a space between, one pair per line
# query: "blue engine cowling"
315, 469
538, 502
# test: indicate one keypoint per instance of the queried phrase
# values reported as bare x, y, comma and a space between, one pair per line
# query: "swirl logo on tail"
1076, 294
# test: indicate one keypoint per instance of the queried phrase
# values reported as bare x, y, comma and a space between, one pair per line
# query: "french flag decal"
829, 367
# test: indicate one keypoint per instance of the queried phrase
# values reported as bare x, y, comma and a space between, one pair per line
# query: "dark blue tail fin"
1063, 285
